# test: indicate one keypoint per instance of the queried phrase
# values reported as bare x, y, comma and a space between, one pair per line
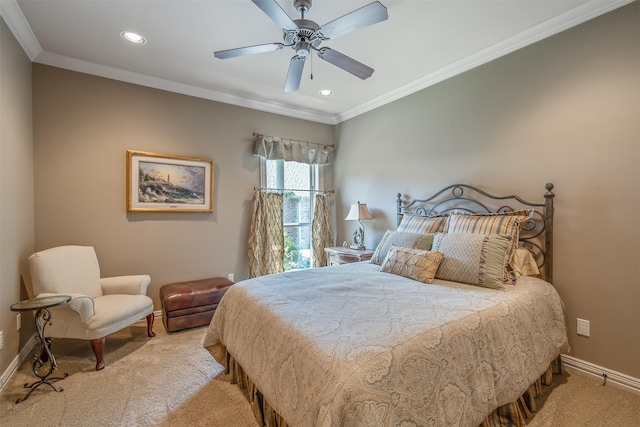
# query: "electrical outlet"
583, 327
18, 322
230, 277
1, 340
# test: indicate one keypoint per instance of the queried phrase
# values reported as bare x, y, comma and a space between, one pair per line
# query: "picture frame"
168, 183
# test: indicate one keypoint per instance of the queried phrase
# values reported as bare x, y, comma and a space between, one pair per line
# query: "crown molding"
74, 64
569, 19
19, 26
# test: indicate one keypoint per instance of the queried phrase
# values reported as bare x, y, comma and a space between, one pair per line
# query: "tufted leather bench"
190, 304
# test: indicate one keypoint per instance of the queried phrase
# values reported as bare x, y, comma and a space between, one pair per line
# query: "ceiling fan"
304, 36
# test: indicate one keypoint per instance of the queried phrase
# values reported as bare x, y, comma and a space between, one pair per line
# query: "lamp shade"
358, 212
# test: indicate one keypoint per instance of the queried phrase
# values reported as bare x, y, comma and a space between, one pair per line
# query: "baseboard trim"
157, 314
607, 376
17, 361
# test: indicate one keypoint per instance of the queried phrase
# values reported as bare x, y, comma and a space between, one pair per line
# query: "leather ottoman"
190, 304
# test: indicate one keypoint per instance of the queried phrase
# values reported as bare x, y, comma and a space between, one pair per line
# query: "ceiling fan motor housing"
306, 38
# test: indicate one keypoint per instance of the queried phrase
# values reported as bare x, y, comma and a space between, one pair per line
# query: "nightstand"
339, 255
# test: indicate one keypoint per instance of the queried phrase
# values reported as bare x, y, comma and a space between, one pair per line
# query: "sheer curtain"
321, 229
266, 237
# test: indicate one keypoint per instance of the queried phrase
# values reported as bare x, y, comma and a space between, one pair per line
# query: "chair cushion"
112, 313
119, 309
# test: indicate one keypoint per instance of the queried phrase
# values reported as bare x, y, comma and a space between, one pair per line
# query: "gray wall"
565, 110
16, 188
83, 126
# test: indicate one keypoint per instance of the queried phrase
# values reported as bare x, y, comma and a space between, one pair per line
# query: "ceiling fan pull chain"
311, 65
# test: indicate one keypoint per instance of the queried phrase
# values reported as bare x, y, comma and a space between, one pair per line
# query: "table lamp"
358, 212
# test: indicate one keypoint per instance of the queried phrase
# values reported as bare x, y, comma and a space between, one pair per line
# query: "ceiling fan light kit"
304, 35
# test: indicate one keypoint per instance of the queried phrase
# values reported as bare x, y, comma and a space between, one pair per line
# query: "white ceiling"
422, 43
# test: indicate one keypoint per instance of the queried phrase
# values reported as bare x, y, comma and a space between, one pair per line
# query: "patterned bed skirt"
512, 414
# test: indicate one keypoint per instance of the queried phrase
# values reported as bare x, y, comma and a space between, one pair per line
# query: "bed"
396, 341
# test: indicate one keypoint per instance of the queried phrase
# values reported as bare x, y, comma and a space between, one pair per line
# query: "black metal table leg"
44, 364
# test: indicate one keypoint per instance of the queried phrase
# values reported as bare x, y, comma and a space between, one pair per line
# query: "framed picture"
168, 183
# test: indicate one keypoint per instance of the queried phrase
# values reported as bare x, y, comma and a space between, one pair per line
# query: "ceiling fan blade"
295, 73
277, 15
348, 64
367, 15
248, 50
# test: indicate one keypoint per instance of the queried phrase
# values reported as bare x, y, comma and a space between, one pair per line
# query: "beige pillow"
475, 259
422, 224
416, 264
523, 263
400, 238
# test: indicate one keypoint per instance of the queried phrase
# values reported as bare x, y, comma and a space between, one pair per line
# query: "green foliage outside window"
290, 254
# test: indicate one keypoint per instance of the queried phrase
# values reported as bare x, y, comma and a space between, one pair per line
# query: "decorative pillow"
422, 224
475, 259
400, 238
489, 223
416, 264
523, 263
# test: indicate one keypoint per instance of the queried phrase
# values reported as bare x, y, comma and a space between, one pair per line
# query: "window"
297, 181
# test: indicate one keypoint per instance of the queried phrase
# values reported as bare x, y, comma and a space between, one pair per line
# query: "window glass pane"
297, 209
297, 248
274, 171
297, 176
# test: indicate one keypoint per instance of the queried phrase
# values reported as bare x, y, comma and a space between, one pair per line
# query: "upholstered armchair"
98, 306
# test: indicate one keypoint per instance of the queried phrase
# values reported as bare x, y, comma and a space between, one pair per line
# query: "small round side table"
43, 364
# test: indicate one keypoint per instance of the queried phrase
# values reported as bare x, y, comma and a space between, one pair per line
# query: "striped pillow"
475, 259
508, 223
422, 224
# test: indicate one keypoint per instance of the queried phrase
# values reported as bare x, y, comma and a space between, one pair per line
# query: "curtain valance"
275, 148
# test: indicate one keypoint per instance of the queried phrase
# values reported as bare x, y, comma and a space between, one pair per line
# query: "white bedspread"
352, 346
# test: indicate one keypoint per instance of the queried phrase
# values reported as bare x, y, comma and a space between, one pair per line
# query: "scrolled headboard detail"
536, 234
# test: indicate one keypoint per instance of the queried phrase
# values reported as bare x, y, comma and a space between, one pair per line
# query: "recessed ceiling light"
325, 92
133, 37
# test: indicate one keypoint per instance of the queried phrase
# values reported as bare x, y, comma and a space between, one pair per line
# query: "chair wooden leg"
97, 346
150, 319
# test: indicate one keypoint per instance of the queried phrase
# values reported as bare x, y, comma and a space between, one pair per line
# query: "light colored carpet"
574, 400
170, 380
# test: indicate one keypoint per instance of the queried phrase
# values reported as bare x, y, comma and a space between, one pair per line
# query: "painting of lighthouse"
162, 183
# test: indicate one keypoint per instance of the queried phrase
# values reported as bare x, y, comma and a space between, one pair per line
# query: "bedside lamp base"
358, 239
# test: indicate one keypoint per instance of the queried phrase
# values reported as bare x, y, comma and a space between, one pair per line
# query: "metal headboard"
536, 234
